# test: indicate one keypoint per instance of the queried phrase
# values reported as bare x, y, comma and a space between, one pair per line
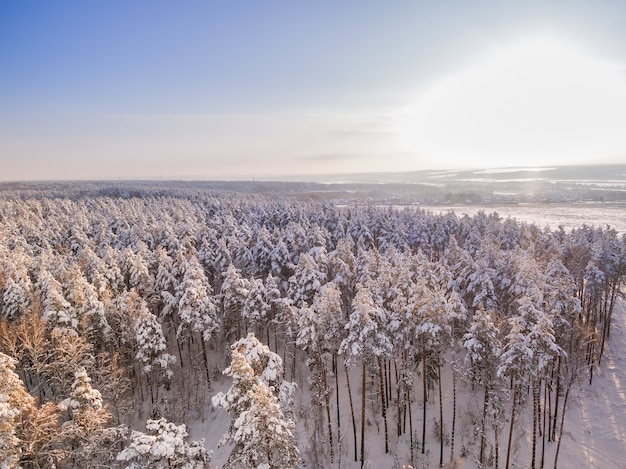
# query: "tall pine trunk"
556, 397
514, 407
206, 364
327, 405
543, 441
481, 457
558, 445
424, 400
336, 369
453, 414
384, 403
356, 458
535, 424
440, 415
363, 402
409, 403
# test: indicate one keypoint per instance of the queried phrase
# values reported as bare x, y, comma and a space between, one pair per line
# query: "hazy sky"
241, 89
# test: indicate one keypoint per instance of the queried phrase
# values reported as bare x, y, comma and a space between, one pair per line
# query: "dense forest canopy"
119, 314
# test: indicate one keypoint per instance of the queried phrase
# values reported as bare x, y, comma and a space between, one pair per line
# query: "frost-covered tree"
342, 271
255, 308
15, 404
529, 350
319, 334
263, 437
306, 280
16, 298
197, 309
151, 348
430, 317
252, 364
58, 313
366, 340
233, 296
262, 253
164, 446
282, 264
87, 434
483, 348
93, 317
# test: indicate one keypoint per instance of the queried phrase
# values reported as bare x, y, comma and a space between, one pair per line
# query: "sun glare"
540, 100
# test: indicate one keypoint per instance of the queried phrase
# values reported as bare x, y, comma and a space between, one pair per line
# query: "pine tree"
87, 434
58, 313
366, 340
164, 447
255, 308
15, 298
233, 295
483, 347
263, 438
254, 367
15, 404
197, 309
151, 348
306, 280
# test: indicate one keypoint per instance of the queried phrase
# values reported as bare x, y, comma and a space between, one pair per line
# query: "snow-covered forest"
134, 330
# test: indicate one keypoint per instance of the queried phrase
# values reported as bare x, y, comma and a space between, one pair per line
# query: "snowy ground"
595, 423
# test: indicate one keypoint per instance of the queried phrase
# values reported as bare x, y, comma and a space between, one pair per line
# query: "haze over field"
210, 90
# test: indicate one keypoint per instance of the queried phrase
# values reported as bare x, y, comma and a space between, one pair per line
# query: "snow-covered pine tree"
483, 346
368, 341
164, 446
58, 313
306, 280
15, 404
87, 435
263, 437
15, 299
233, 296
252, 364
255, 308
151, 349
515, 365
197, 309
319, 333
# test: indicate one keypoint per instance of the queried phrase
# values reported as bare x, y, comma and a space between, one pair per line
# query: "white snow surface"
595, 422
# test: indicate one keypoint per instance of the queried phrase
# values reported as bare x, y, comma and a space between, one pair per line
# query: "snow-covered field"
552, 215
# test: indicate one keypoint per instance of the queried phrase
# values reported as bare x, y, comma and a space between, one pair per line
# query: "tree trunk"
351, 411
440, 415
363, 402
336, 367
453, 414
424, 400
483, 425
558, 444
497, 438
327, 405
556, 398
206, 363
543, 441
383, 399
411, 429
180, 352
535, 424
508, 448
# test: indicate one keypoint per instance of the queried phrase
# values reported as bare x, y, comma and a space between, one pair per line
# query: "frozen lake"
552, 215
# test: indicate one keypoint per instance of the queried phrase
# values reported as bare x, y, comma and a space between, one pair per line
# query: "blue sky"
235, 90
